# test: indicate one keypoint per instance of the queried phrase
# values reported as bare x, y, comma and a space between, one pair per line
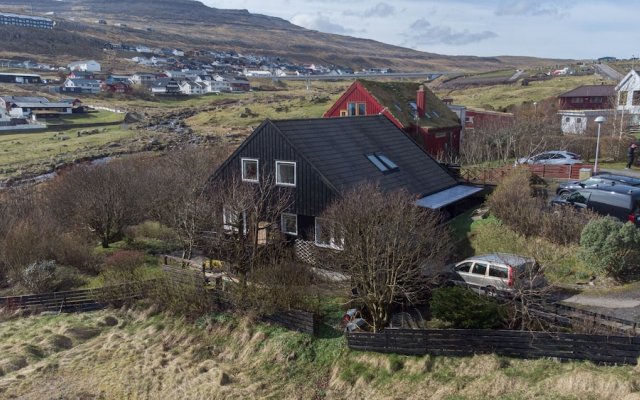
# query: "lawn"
94, 117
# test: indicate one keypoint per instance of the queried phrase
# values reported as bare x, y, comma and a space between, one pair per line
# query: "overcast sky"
577, 29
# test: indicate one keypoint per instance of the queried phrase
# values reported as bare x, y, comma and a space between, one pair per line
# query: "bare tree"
177, 194
103, 199
247, 228
386, 242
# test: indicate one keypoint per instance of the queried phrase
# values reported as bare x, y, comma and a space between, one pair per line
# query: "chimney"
420, 100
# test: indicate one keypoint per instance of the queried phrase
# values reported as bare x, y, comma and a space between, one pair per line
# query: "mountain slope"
190, 24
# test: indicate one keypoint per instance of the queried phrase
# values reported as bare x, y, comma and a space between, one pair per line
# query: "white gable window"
250, 170
285, 173
290, 224
327, 234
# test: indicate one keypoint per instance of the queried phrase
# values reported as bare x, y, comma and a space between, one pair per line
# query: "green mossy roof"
396, 97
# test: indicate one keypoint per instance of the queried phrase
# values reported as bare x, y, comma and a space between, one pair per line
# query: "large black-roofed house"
320, 159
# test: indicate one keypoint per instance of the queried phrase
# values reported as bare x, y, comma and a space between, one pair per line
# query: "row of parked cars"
617, 196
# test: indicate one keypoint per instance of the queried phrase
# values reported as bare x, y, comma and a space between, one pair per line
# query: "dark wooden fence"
452, 342
296, 320
76, 300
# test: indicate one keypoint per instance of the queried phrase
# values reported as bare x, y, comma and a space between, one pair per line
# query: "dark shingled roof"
337, 149
592, 91
396, 96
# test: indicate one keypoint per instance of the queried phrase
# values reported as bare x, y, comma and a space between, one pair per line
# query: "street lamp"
599, 120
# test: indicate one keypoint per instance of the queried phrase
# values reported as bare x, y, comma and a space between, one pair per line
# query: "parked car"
618, 201
602, 181
554, 157
498, 272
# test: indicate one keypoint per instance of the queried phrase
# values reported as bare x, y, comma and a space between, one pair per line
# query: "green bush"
464, 309
611, 247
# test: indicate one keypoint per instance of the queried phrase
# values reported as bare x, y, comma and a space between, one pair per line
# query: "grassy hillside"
146, 355
502, 96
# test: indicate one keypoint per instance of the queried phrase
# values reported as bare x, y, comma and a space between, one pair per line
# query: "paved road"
608, 72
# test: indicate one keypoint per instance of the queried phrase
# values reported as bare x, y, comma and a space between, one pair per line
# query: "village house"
143, 78
578, 108
166, 86
81, 74
476, 118
20, 78
318, 160
628, 100
72, 85
26, 107
117, 87
410, 106
88, 65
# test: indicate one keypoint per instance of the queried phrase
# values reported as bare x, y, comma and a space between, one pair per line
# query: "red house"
117, 87
588, 97
410, 106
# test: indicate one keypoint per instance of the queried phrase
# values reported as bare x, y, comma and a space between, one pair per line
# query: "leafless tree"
104, 199
386, 242
177, 195
247, 230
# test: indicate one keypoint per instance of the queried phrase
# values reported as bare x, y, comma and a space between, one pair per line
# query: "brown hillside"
199, 26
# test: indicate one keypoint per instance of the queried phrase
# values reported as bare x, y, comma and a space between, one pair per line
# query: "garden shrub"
564, 225
512, 202
125, 260
464, 309
611, 247
39, 276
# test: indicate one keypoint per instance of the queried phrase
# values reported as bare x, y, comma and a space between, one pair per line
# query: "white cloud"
380, 10
320, 22
422, 32
529, 8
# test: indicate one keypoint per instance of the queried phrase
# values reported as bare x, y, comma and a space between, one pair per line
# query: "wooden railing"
493, 175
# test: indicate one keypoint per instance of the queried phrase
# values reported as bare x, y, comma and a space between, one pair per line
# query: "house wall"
311, 195
630, 105
575, 123
585, 103
360, 95
436, 142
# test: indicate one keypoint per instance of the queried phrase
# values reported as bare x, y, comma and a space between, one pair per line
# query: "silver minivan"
498, 272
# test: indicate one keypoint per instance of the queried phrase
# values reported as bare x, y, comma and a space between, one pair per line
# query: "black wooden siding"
311, 194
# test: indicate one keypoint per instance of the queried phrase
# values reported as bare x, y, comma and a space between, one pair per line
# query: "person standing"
631, 154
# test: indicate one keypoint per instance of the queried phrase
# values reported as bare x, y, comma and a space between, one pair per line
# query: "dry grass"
146, 355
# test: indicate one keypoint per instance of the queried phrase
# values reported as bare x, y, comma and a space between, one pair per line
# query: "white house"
628, 101
88, 65
24, 107
82, 85
190, 87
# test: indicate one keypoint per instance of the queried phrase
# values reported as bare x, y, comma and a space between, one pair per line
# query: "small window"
382, 162
290, 224
578, 120
343, 113
326, 234
250, 170
480, 269
351, 109
464, 267
636, 98
231, 220
498, 272
377, 162
362, 108
567, 119
435, 113
285, 173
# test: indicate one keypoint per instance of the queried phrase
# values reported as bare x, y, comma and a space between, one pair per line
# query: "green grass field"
96, 117
502, 96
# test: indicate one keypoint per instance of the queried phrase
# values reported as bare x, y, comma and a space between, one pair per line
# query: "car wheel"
490, 291
564, 194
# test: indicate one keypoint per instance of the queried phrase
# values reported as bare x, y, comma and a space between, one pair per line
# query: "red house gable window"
354, 108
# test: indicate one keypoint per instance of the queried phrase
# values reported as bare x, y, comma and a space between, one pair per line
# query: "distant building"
578, 121
588, 97
26, 21
88, 65
72, 85
628, 100
20, 78
23, 107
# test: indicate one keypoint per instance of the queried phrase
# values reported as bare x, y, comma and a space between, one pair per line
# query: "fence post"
570, 171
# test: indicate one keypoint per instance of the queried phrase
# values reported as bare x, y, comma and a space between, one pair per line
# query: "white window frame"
242, 170
278, 182
229, 226
284, 226
333, 243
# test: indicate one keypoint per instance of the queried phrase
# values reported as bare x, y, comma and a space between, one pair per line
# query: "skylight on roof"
435, 114
382, 162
